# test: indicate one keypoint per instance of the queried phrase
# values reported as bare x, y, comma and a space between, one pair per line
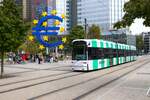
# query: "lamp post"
85, 27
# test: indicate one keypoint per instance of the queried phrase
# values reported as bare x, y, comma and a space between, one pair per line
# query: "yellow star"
62, 29
44, 24
64, 39
41, 47
45, 38
44, 13
35, 21
63, 16
53, 12
57, 22
61, 47
31, 38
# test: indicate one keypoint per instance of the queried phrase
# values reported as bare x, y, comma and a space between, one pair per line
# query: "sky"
137, 27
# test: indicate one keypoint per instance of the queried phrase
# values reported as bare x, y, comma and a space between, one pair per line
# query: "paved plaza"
56, 81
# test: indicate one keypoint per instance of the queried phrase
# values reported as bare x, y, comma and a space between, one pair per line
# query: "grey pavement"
56, 81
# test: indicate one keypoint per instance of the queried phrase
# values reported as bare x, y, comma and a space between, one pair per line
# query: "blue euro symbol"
39, 31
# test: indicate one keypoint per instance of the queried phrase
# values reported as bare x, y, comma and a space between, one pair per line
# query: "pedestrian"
14, 58
39, 57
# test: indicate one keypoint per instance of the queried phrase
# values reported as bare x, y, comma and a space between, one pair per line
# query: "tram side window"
133, 53
95, 53
115, 52
111, 53
121, 53
129, 52
125, 52
108, 53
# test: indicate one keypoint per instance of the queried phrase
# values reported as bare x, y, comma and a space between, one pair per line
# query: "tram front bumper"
80, 66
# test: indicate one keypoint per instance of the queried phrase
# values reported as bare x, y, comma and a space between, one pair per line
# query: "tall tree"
12, 28
94, 32
76, 32
139, 42
135, 9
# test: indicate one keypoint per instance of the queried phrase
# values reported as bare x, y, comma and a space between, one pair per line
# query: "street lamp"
85, 27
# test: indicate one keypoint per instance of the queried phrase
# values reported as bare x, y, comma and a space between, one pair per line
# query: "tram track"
34, 79
48, 81
83, 82
11, 83
109, 82
36, 69
31, 85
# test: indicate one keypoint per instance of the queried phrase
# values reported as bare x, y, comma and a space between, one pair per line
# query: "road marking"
148, 92
109, 91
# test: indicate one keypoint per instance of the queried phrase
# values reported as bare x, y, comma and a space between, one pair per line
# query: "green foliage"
30, 46
139, 42
76, 32
94, 32
135, 9
12, 26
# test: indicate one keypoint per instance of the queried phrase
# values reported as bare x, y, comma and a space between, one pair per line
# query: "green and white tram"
93, 54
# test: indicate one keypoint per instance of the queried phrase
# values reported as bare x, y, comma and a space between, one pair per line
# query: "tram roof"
106, 44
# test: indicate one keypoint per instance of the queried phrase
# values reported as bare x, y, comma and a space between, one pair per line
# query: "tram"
93, 54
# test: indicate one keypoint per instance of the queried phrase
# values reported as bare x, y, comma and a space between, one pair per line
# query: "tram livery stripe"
95, 64
101, 44
94, 43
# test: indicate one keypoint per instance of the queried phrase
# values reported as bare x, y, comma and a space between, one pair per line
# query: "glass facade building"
38, 6
100, 12
61, 9
71, 14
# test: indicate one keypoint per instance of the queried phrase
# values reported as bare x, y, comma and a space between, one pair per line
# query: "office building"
100, 12
38, 6
146, 38
61, 9
26, 9
71, 14
121, 38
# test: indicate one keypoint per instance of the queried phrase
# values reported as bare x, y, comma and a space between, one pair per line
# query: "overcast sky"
137, 27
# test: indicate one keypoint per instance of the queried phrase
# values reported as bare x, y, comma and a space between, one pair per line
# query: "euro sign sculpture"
42, 29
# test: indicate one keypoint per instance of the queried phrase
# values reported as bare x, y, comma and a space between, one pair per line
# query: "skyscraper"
27, 12
61, 9
38, 6
100, 12
71, 13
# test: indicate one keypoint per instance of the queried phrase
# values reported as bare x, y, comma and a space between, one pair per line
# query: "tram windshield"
79, 50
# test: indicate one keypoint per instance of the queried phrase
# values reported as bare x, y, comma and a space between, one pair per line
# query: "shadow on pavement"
7, 76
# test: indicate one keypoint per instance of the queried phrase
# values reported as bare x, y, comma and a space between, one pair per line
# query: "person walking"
39, 59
